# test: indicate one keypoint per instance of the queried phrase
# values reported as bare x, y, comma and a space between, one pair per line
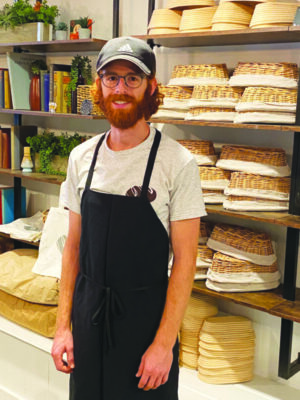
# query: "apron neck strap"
92, 167
150, 164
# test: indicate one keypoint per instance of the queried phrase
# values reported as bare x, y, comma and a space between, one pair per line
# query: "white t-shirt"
175, 189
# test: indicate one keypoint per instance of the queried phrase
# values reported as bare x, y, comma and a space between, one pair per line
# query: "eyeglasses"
131, 80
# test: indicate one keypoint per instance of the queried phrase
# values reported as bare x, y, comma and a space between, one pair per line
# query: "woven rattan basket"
197, 19
269, 99
211, 114
205, 231
242, 243
275, 13
224, 264
176, 97
263, 187
188, 4
165, 18
205, 74
213, 196
256, 160
84, 96
214, 178
162, 31
205, 253
233, 13
203, 151
282, 74
215, 96
247, 203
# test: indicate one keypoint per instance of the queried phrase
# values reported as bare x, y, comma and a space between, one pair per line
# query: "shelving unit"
285, 301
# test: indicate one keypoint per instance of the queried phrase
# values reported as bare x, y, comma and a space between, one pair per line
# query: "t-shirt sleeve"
186, 196
69, 196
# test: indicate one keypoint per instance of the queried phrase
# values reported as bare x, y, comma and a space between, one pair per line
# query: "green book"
42, 75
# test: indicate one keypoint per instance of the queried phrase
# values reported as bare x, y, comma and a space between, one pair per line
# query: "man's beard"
121, 118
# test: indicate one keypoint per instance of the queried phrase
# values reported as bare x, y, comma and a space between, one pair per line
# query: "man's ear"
153, 85
97, 80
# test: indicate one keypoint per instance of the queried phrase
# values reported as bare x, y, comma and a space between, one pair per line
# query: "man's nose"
121, 86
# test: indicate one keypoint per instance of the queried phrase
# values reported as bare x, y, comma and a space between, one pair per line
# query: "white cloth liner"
176, 104
242, 255
52, 243
218, 184
203, 159
243, 277
261, 194
246, 205
203, 263
262, 80
223, 102
227, 116
29, 229
269, 106
260, 116
189, 81
213, 198
164, 113
241, 287
252, 167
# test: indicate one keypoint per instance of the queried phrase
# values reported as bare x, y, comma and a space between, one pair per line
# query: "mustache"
120, 97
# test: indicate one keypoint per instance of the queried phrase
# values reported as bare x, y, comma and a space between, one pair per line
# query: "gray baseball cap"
128, 48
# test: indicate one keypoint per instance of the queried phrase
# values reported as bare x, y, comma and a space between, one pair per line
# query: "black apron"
119, 294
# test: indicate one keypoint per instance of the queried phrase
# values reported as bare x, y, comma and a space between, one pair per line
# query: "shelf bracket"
116, 18
287, 368
17, 198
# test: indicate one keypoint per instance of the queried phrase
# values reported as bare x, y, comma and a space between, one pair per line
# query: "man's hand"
155, 367
63, 344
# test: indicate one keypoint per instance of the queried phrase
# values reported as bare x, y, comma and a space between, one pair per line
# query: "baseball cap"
128, 48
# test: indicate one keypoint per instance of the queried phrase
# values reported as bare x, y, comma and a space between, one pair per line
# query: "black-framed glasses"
131, 80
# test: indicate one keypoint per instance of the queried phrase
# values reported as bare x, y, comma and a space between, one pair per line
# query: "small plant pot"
61, 35
84, 33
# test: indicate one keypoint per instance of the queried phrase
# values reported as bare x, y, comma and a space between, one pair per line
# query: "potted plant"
34, 90
81, 74
51, 151
24, 22
61, 31
85, 27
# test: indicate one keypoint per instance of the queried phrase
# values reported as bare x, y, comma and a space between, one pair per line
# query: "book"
52, 69
46, 92
19, 66
2, 87
8, 204
6, 147
66, 81
42, 95
58, 90
7, 91
19, 134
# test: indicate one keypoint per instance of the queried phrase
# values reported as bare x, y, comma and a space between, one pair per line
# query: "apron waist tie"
111, 306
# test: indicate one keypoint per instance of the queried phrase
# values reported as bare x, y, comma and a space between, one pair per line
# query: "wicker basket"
211, 114
242, 243
205, 231
214, 178
175, 97
197, 19
202, 150
233, 13
269, 99
215, 96
283, 75
275, 13
247, 203
262, 187
165, 18
213, 196
84, 93
254, 160
224, 264
197, 74
162, 31
188, 4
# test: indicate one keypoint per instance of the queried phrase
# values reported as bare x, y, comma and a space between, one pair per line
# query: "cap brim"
134, 60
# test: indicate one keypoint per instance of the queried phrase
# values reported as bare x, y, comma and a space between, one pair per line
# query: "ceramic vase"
27, 163
34, 93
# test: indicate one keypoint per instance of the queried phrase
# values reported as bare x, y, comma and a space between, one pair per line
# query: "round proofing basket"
164, 18
216, 95
223, 26
273, 13
84, 93
162, 31
176, 92
199, 18
233, 13
213, 174
204, 147
285, 70
224, 264
198, 71
187, 4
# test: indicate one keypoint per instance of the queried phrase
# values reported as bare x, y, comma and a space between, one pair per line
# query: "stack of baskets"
213, 182
164, 21
197, 20
175, 102
226, 348
273, 14
199, 308
232, 15
262, 182
270, 94
202, 150
203, 262
205, 231
245, 260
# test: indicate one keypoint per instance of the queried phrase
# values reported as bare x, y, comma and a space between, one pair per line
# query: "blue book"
8, 202
2, 88
46, 91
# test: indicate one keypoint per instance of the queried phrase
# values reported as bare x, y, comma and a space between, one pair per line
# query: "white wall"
133, 21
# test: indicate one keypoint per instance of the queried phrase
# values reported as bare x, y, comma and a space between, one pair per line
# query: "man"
131, 192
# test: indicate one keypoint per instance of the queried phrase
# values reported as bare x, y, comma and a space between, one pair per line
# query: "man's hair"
153, 101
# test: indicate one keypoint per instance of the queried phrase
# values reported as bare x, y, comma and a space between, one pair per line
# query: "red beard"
124, 119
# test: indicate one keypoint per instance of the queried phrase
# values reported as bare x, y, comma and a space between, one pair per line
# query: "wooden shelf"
55, 46
265, 127
35, 176
34, 244
270, 301
230, 37
48, 114
277, 218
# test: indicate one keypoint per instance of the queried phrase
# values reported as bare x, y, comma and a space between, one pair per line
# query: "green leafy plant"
22, 12
81, 65
85, 22
49, 145
38, 65
61, 26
